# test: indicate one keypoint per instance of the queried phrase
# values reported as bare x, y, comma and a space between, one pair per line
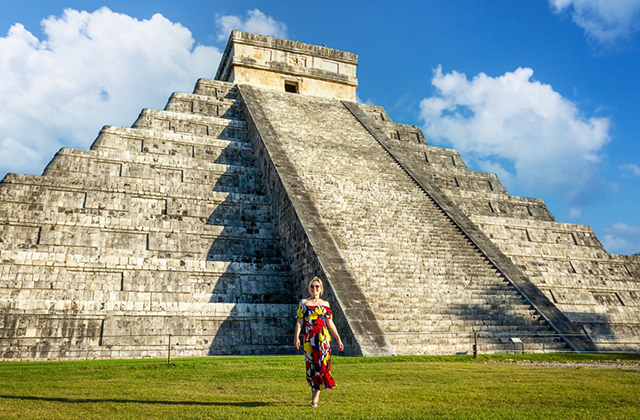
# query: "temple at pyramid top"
289, 66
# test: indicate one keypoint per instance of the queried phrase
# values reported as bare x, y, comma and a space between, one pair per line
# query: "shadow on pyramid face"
505, 315
254, 287
498, 313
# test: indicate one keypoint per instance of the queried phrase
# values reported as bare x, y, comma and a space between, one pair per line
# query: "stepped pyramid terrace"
205, 220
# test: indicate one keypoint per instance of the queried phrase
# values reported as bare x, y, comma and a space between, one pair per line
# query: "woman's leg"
315, 397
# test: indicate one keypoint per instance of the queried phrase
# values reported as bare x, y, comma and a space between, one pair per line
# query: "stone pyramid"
201, 224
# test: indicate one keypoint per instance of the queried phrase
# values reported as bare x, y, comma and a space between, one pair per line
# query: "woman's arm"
296, 337
299, 321
334, 332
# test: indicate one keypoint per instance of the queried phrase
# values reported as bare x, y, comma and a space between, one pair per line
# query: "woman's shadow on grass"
125, 401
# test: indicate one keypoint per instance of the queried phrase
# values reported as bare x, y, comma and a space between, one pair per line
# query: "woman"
315, 314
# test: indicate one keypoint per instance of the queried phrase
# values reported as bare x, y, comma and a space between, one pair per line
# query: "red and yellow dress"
317, 346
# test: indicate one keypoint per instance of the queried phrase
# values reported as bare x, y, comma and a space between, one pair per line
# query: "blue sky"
545, 93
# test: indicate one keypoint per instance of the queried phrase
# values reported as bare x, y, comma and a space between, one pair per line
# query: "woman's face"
315, 289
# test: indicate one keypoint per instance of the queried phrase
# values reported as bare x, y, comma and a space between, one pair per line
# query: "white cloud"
256, 22
630, 169
616, 245
575, 213
606, 21
550, 148
622, 238
90, 70
625, 229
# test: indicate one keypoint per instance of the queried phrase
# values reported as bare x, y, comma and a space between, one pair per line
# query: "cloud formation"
630, 169
622, 238
605, 21
90, 70
523, 130
255, 22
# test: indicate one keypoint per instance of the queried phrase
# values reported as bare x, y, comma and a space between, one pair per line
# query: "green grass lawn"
274, 387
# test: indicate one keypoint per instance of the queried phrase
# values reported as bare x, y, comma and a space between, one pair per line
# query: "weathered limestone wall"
206, 220
427, 285
164, 228
306, 85
270, 62
596, 290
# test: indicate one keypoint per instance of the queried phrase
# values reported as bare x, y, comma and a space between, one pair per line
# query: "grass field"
456, 387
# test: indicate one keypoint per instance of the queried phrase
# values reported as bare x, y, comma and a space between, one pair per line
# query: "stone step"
205, 105
118, 260
430, 265
149, 278
496, 327
258, 252
454, 298
125, 138
458, 299
463, 297
98, 285
428, 260
436, 234
467, 328
215, 88
47, 230
40, 298
481, 327
181, 217
437, 284
149, 308
19, 193
401, 274
199, 125
447, 312
485, 339
491, 334
228, 206
16, 216
435, 252
121, 163
170, 144
228, 244
428, 242
216, 177
462, 345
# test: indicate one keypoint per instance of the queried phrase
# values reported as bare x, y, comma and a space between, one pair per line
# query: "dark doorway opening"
291, 87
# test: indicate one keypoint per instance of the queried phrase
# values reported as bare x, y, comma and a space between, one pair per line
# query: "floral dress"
317, 346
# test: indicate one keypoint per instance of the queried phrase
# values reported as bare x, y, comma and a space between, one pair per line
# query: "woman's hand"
296, 343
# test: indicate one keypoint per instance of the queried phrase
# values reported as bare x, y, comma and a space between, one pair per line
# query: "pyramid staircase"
161, 229
429, 285
444, 295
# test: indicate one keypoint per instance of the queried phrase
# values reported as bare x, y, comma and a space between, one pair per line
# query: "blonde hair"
319, 280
